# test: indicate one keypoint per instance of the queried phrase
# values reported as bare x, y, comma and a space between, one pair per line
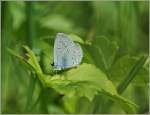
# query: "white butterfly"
67, 54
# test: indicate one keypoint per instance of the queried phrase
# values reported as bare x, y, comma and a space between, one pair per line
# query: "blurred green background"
35, 24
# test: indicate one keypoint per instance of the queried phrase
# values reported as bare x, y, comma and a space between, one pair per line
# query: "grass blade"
131, 75
30, 91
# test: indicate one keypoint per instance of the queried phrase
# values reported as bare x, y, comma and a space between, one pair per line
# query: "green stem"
5, 63
30, 26
30, 91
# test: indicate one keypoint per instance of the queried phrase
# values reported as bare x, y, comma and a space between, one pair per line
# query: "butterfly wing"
72, 56
61, 43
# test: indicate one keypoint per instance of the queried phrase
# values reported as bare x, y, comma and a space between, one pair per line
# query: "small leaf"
32, 60
76, 38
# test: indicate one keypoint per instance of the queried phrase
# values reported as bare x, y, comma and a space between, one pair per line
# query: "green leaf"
57, 22
70, 103
131, 74
32, 60
104, 52
20, 58
76, 82
121, 68
93, 75
87, 58
76, 38
17, 11
12, 52
127, 105
46, 56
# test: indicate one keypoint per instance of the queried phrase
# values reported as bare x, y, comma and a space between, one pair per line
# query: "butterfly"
67, 54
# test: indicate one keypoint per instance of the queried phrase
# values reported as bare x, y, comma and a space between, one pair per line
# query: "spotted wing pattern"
66, 53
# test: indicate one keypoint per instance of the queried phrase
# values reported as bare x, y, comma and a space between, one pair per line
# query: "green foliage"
106, 52
122, 68
76, 83
62, 23
113, 75
132, 73
76, 38
18, 17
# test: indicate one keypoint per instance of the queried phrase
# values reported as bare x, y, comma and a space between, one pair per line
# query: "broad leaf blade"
103, 52
87, 80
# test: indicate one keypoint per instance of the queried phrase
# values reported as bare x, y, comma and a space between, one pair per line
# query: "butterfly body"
67, 54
